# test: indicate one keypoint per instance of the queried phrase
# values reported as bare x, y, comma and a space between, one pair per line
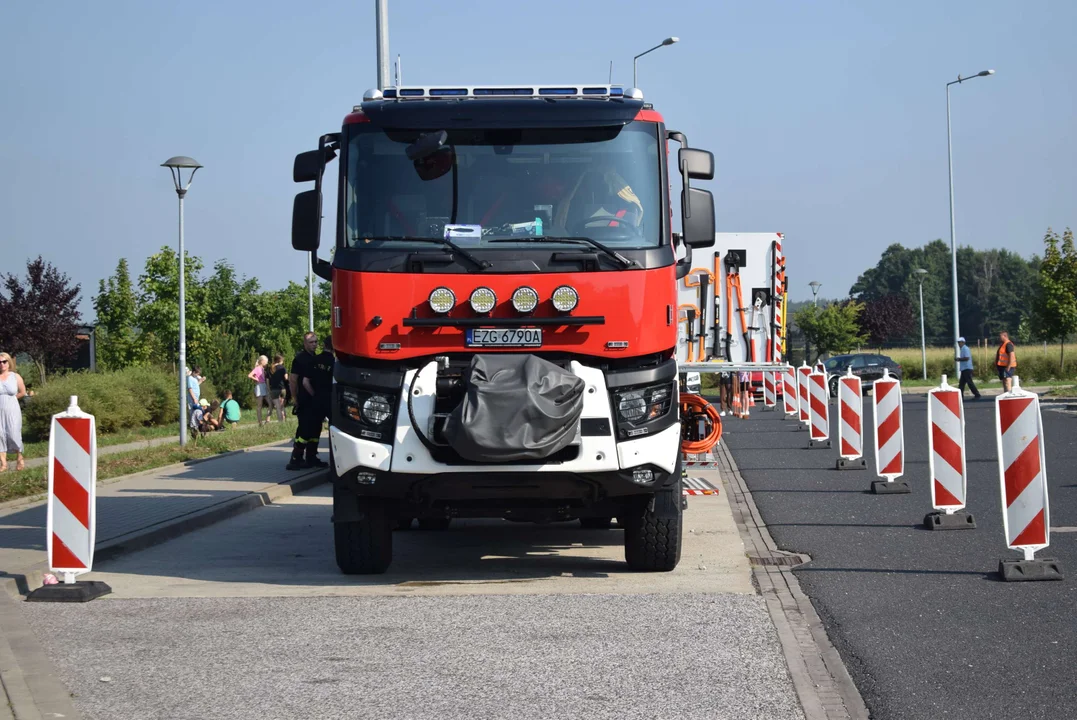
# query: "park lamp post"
920, 272
815, 285
667, 41
177, 165
953, 238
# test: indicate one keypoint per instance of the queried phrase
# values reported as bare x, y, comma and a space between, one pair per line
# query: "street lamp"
667, 41
177, 165
920, 272
815, 285
953, 239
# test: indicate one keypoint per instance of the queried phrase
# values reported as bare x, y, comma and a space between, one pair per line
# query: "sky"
827, 119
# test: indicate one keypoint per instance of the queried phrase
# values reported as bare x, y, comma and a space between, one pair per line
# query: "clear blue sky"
827, 119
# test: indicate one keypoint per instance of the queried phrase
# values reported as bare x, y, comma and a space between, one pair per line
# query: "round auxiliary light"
376, 409
525, 299
482, 300
442, 300
565, 298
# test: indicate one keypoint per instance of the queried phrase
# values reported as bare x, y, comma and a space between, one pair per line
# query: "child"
229, 410
211, 418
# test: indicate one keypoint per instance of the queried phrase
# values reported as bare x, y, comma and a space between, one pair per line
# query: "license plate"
504, 337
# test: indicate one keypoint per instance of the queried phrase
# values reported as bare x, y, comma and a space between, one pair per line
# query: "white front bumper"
596, 454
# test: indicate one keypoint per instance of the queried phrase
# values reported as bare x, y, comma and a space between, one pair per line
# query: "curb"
823, 685
29, 578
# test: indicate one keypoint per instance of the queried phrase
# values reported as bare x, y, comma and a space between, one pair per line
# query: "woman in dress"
261, 392
12, 390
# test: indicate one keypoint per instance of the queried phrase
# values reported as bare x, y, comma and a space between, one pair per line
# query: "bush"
119, 400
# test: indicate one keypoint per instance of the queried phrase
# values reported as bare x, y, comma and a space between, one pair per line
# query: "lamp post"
815, 285
920, 272
667, 41
177, 165
953, 239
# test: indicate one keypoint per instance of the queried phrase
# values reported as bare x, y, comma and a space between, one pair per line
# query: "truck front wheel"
653, 532
365, 546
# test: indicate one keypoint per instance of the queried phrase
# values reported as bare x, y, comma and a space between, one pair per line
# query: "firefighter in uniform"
1006, 361
309, 407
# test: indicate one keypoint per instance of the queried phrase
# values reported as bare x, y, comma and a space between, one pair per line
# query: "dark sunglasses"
3, 362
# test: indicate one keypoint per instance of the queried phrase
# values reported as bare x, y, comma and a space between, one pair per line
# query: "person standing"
323, 377
1006, 361
261, 389
12, 389
725, 390
194, 388
278, 380
964, 358
744, 379
308, 409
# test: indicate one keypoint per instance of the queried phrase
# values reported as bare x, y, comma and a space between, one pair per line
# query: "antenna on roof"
611, 72
398, 70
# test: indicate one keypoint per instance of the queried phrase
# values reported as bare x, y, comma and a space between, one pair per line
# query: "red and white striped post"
889, 436
802, 392
71, 522
819, 430
850, 422
1026, 515
790, 399
770, 392
946, 459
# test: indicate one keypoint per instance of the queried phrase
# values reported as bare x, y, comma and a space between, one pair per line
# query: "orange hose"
695, 405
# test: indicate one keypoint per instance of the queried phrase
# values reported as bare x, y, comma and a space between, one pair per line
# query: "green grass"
34, 481
140, 434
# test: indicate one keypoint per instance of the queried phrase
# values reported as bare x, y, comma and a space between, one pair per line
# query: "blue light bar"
594, 92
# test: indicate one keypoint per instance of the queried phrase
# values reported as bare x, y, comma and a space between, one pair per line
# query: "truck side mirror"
684, 265
698, 228
698, 164
307, 221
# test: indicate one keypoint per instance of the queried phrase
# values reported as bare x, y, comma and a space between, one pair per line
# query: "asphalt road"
249, 619
921, 618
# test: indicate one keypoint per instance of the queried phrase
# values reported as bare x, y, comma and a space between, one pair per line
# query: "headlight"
631, 406
657, 401
376, 409
525, 299
565, 298
483, 300
442, 300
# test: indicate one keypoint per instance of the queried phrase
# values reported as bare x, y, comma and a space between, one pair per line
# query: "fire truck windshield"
599, 183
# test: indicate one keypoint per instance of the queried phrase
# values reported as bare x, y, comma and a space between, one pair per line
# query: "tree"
888, 318
833, 329
158, 311
1055, 310
40, 317
119, 342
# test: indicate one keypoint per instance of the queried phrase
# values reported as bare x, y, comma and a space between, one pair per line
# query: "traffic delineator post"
789, 392
1026, 514
850, 423
770, 393
70, 528
889, 435
819, 429
804, 404
946, 460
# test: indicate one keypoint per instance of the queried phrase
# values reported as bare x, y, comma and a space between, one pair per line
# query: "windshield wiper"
624, 262
447, 244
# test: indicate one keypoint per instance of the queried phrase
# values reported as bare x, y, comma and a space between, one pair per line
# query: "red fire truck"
505, 312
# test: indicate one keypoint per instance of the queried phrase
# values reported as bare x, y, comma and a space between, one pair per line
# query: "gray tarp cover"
517, 407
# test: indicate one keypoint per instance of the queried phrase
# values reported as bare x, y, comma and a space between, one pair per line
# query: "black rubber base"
847, 464
79, 591
1029, 570
816, 444
897, 487
958, 520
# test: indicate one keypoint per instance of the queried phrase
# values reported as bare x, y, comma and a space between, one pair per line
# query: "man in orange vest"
1006, 361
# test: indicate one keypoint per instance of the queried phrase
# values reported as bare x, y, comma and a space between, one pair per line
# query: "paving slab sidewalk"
153, 506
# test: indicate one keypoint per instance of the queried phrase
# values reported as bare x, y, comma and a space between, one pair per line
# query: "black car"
867, 366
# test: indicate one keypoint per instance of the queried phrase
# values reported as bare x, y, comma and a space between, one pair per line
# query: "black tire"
653, 537
365, 547
436, 524
596, 523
